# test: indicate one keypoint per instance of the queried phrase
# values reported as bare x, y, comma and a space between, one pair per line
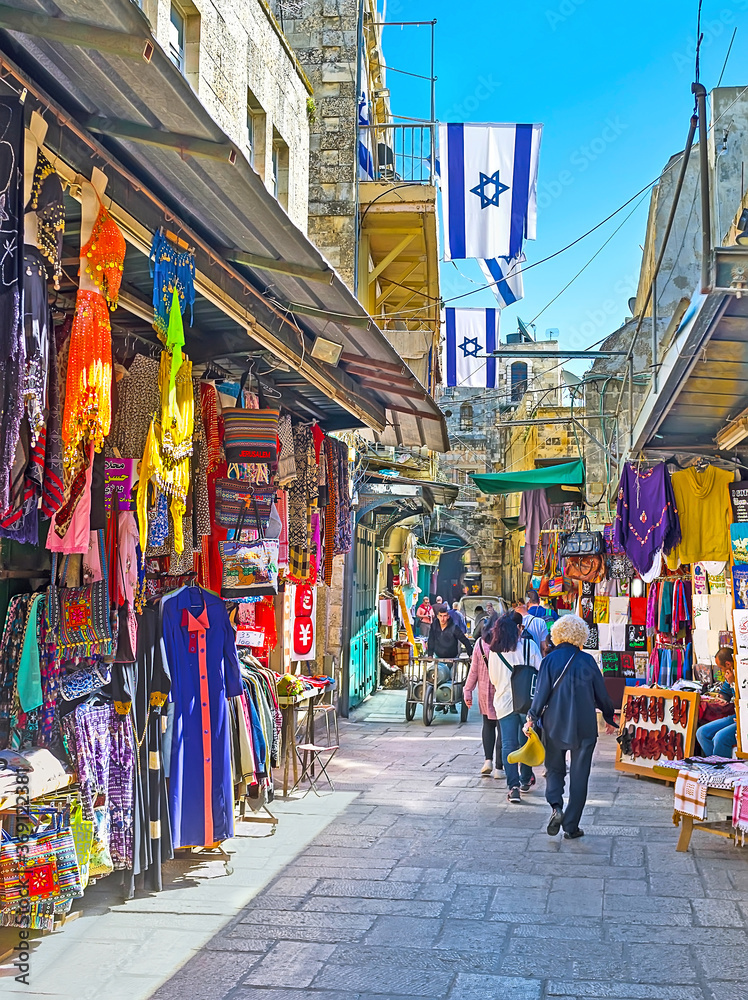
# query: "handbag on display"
85, 681
589, 569
582, 541
250, 569
80, 617
39, 866
241, 505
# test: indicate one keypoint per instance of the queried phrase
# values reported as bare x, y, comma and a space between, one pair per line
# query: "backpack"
524, 681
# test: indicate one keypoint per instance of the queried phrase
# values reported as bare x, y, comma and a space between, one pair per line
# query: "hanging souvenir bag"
42, 866
80, 617
80, 683
582, 541
241, 505
537, 569
555, 578
82, 831
588, 569
250, 435
250, 569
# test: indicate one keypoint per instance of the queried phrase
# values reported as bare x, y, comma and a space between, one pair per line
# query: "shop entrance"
363, 650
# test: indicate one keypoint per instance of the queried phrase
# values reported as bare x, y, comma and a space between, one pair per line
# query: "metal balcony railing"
398, 152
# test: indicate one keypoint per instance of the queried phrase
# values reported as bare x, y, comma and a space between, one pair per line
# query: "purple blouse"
646, 515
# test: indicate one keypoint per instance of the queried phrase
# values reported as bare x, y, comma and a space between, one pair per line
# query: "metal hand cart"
436, 682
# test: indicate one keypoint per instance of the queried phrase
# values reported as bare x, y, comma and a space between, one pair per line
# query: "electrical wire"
596, 254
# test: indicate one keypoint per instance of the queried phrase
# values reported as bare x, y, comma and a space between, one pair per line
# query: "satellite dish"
632, 305
570, 379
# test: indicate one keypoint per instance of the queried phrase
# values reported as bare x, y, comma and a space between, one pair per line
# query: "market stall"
167, 516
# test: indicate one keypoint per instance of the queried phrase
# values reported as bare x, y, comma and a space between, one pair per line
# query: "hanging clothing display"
46, 201
535, 513
120, 664
12, 346
703, 503
204, 669
88, 393
646, 514
173, 271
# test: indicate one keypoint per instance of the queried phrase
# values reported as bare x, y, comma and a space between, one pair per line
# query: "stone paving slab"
425, 883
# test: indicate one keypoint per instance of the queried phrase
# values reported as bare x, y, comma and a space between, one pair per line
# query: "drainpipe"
356, 223
706, 215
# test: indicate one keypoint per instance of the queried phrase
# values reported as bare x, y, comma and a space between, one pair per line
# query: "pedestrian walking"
481, 620
457, 616
570, 687
478, 677
425, 616
513, 663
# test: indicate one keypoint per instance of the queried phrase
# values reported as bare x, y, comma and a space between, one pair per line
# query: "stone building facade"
237, 59
324, 40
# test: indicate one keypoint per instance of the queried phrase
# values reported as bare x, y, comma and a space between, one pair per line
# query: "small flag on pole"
489, 177
506, 277
470, 335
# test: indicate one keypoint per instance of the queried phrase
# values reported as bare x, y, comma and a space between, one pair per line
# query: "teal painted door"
364, 625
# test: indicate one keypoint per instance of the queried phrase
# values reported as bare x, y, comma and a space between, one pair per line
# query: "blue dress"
201, 653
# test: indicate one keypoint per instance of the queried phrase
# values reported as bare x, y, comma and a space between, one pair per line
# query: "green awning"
567, 474
511, 523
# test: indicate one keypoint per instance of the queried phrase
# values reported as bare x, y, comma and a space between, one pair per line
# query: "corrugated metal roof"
224, 203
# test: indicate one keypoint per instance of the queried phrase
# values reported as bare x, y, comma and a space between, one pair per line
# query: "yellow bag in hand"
532, 753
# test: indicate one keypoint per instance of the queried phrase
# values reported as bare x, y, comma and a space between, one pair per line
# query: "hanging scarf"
29, 673
174, 339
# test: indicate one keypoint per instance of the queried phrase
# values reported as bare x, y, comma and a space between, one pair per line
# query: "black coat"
570, 717
445, 642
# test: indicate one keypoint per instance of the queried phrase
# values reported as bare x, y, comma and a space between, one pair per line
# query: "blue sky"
611, 84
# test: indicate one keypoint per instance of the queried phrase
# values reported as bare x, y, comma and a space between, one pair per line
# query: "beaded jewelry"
88, 392
105, 256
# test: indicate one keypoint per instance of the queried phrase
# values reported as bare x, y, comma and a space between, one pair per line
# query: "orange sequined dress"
88, 388
104, 256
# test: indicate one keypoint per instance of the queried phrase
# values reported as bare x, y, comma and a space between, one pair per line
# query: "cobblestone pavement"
429, 884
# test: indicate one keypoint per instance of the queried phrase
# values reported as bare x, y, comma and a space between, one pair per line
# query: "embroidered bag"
251, 435
249, 568
82, 831
45, 866
85, 681
80, 616
241, 505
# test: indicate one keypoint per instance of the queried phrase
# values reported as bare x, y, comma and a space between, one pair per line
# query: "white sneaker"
486, 769
496, 773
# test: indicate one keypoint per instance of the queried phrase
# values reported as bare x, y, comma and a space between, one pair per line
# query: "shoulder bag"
250, 435
524, 680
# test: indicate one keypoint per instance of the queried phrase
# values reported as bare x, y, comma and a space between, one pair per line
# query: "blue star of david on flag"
470, 347
486, 181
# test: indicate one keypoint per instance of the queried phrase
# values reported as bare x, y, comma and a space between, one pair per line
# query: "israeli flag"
365, 158
506, 278
489, 176
469, 335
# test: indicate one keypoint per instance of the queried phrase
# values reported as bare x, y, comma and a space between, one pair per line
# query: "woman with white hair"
570, 687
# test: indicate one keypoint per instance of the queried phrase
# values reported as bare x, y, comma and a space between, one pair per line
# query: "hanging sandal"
629, 710
653, 709
684, 713
660, 709
675, 709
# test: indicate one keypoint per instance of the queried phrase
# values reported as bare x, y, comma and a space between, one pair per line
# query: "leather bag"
587, 569
582, 541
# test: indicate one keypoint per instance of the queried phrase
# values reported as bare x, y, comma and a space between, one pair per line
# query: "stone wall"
324, 40
235, 46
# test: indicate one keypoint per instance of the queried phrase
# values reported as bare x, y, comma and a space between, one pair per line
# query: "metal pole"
631, 401
655, 351
706, 214
433, 108
357, 137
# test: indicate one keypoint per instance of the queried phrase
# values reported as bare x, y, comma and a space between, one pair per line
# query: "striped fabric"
251, 435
